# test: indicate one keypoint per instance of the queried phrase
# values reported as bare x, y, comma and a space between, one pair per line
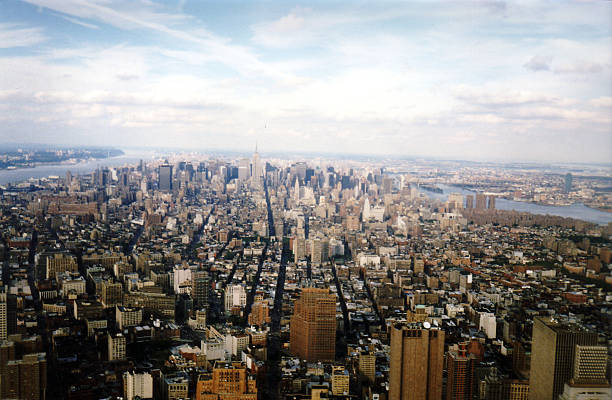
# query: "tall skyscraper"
481, 201
200, 284
3, 316
417, 358
460, 366
165, 177
568, 183
313, 325
492, 202
552, 355
469, 201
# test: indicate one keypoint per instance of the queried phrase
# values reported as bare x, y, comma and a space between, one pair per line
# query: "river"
577, 210
83, 167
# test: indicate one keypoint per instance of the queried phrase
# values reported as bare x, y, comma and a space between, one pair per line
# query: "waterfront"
577, 211
83, 167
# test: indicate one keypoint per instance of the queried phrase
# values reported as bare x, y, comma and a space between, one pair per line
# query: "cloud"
11, 36
538, 63
580, 68
78, 22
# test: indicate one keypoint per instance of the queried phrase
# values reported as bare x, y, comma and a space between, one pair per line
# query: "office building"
417, 358
313, 325
229, 380
492, 202
165, 177
552, 355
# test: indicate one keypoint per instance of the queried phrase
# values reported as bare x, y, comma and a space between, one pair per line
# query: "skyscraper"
3, 316
568, 183
460, 373
481, 201
417, 358
165, 177
492, 202
313, 325
200, 284
552, 355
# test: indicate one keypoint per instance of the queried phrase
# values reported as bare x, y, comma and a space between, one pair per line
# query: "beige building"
116, 347
552, 355
417, 359
313, 325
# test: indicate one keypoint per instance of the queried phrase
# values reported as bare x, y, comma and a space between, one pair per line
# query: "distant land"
30, 156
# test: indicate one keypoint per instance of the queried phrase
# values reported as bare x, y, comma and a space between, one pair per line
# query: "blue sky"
480, 80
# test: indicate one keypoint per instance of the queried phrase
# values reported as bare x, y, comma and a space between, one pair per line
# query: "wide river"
577, 210
84, 167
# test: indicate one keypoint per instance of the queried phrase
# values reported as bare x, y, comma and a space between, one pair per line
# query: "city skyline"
469, 80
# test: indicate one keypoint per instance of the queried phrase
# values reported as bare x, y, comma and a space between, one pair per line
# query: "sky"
477, 80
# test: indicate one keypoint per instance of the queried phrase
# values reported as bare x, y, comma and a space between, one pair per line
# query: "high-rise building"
417, 358
460, 373
455, 200
112, 294
340, 381
7, 353
116, 347
568, 183
137, 384
165, 177
481, 201
469, 201
492, 202
127, 316
260, 313
235, 296
3, 316
552, 355
200, 284
367, 366
60, 262
589, 380
313, 325
228, 381
26, 378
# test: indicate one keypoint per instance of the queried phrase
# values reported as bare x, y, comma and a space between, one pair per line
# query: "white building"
235, 296
137, 385
488, 324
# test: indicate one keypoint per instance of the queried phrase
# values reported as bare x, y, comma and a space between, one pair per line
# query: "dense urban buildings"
203, 277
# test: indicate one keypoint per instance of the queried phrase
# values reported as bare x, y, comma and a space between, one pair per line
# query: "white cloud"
12, 35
